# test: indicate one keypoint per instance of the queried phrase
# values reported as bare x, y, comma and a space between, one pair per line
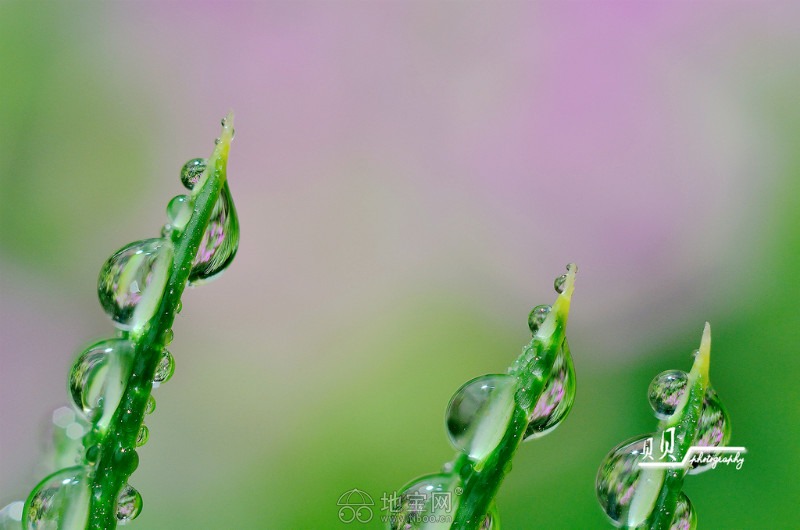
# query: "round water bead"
684, 518
129, 505
627, 493
665, 391
132, 280
179, 210
150, 407
559, 282
537, 317
98, 378
714, 430
192, 171
59, 501
491, 520
220, 240
556, 398
142, 436
417, 509
479, 413
165, 368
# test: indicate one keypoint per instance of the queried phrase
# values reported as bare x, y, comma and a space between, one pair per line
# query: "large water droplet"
429, 503
60, 501
685, 518
220, 241
665, 391
192, 171
132, 280
479, 413
179, 211
165, 368
98, 378
537, 317
556, 399
627, 493
713, 430
129, 504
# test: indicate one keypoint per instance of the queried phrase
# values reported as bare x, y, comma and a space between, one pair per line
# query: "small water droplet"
142, 436
556, 399
129, 504
61, 500
627, 493
179, 211
150, 407
685, 518
479, 413
98, 378
166, 231
165, 368
169, 335
224, 122
192, 171
179, 307
217, 141
132, 280
92, 454
489, 520
537, 317
713, 430
220, 241
665, 391
559, 283
417, 510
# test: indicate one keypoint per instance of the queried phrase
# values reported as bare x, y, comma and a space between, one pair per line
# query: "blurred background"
410, 178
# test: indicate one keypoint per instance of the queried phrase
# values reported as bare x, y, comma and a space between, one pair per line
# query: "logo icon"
355, 506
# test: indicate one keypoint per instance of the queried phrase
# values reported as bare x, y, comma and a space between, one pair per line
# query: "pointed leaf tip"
703, 359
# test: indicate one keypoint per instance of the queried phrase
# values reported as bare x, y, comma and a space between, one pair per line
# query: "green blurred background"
410, 177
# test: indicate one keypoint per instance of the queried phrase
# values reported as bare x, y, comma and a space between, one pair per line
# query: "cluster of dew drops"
130, 287
620, 476
477, 418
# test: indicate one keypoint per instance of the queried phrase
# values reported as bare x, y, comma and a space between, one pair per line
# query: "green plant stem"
118, 459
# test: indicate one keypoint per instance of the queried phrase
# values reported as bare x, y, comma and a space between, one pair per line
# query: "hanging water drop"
537, 317
60, 501
150, 406
220, 240
165, 368
491, 520
179, 211
132, 280
713, 430
192, 171
417, 511
142, 436
559, 283
684, 518
479, 413
129, 505
98, 378
627, 493
556, 399
666, 390
168, 336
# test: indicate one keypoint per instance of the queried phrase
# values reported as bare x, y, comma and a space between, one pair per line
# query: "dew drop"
713, 430
179, 307
559, 283
537, 317
665, 391
129, 505
685, 518
220, 241
132, 280
556, 398
417, 510
627, 493
491, 520
168, 336
166, 231
217, 141
179, 211
60, 501
479, 413
192, 171
98, 378
150, 407
165, 368
92, 454
142, 436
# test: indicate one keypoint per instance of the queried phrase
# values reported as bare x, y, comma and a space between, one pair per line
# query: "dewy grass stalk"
487, 420
140, 288
649, 496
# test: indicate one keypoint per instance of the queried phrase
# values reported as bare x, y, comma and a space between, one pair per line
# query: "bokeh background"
409, 177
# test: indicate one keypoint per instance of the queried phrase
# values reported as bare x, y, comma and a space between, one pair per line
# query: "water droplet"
132, 280
59, 501
666, 390
92, 454
179, 211
220, 241
217, 141
479, 413
168, 336
11, 515
224, 122
556, 398
685, 518
166, 231
150, 407
417, 510
179, 307
142, 436
537, 317
559, 283
192, 171
713, 430
98, 378
165, 368
627, 493
129, 504
490, 519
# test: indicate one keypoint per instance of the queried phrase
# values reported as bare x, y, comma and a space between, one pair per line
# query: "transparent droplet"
217, 141
666, 390
142, 436
479, 413
168, 336
556, 398
165, 368
98, 378
713, 430
417, 510
179, 307
179, 211
60, 501
559, 283
166, 231
11, 516
220, 241
492, 520
150, 407
192, 171
129, 505
132, 280
627, 493
685, 518
537, 317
